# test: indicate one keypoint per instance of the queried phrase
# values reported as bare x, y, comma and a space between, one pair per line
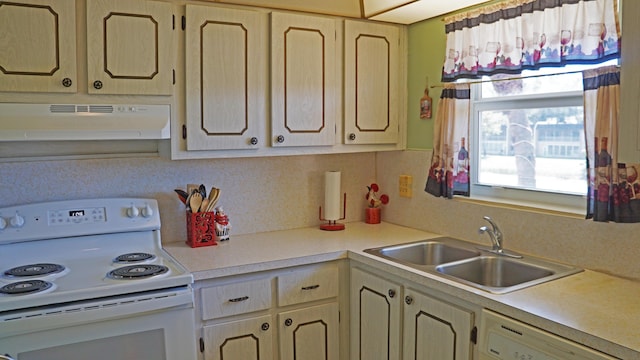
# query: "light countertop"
595, 309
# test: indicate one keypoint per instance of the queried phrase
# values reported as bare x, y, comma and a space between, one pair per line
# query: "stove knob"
3, 223
133, 211
16, 221
147, 211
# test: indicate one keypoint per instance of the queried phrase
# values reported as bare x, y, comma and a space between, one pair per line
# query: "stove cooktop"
124, 256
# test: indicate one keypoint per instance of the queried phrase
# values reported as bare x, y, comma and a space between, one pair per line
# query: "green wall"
427, 42
426, 55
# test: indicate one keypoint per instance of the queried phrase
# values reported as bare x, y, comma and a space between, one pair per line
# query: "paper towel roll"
332, 203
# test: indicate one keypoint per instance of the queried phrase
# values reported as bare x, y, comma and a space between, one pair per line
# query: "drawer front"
308, 285
233, 299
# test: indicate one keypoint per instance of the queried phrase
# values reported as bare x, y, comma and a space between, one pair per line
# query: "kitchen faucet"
496, 238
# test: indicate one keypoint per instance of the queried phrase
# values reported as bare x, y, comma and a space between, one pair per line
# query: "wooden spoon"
195, 201
214, 195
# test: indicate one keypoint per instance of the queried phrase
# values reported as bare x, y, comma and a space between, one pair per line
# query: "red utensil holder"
201, 229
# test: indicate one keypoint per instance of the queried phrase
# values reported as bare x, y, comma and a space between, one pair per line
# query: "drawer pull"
243, 298
312, 287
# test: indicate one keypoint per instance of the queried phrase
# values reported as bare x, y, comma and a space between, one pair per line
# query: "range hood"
43, 122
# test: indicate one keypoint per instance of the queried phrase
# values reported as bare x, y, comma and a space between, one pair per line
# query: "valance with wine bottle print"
517, 35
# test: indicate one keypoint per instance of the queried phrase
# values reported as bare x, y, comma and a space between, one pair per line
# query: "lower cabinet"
244, 339
388, 319
310, 333
434, 329
241, 321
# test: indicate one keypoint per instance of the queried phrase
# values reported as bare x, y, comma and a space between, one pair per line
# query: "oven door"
154, 325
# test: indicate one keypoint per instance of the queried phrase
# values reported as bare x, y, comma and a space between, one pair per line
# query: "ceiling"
395, 11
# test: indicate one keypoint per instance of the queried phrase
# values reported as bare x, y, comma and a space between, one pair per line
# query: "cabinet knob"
265, 326
66, 82
253, 141
97, 84
280, 139
408, 300
352, 136
392, 293
288, 322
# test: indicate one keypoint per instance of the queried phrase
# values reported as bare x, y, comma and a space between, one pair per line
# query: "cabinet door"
434, 330
250, 339
226, 78
375, 317
38, 46
303, 80
371, 76
129, 47
309, 333
629, 130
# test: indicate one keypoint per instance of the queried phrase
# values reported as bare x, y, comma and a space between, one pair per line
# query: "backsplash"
607, 247
258, 194
276, 193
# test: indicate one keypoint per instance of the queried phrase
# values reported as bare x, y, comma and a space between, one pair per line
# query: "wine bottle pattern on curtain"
449, 169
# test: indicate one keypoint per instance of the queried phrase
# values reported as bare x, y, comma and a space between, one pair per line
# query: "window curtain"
449, 170
614, 188
516, 35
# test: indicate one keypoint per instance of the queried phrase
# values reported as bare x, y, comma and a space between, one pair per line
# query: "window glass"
528, 135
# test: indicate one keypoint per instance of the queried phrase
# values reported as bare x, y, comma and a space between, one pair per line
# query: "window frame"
542, 199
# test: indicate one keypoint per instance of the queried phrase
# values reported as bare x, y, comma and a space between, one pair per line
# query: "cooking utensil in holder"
201, 229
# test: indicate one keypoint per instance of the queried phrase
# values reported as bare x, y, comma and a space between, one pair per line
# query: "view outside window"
528, 137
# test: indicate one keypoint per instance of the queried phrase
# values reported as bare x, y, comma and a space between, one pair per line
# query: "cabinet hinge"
201, 345
474, 335
184, 131
184, 22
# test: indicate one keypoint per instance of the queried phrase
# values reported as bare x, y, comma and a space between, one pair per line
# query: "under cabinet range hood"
44, 122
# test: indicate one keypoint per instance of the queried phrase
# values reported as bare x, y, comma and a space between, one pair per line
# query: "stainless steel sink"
463, 262
424, 253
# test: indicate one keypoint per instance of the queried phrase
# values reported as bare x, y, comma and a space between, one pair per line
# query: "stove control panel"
77, 216
58, 219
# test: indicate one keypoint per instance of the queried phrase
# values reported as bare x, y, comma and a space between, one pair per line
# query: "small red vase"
372, 215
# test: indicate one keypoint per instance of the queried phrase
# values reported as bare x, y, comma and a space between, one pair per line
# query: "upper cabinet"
129, 47
371, 83
226, 78
38, 46
629, 129
304, 84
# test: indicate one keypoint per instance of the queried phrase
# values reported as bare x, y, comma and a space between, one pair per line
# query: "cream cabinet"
304, 83
375, 317
38, 46
629, 129
390, 321
310, 333
249, 339
434, 329
372, 83
226, 73
130, 47
280, 314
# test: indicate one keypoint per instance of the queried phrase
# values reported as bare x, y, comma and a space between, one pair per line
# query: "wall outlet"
406, 182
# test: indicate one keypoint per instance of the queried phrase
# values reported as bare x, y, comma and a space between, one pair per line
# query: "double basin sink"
465, 263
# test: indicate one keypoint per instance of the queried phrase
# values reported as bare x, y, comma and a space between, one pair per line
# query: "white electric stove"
85, 265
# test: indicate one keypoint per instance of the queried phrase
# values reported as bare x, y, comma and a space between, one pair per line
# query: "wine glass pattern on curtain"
614, 188
449, 169
516, 35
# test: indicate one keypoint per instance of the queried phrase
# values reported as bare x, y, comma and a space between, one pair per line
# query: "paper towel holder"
332, 225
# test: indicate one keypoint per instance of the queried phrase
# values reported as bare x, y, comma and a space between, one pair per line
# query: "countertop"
592, 308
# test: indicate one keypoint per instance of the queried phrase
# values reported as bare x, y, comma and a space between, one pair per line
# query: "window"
527, 138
